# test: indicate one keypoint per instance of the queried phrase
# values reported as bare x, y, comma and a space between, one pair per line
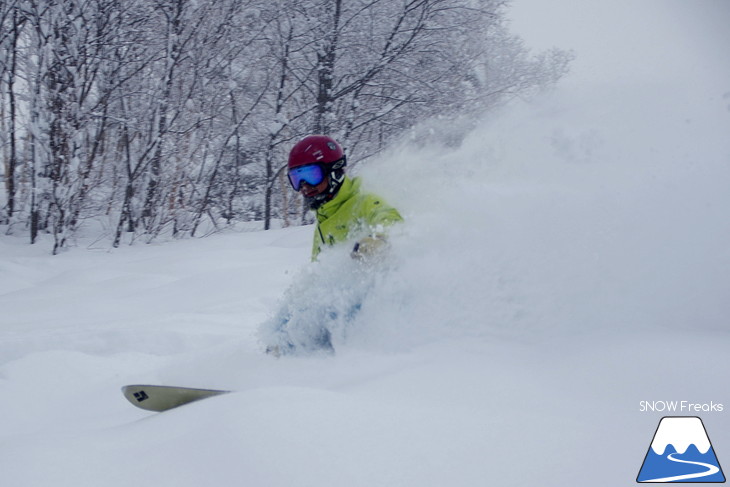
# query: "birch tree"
11, 26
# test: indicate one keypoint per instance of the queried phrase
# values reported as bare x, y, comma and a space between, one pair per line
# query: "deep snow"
568, 260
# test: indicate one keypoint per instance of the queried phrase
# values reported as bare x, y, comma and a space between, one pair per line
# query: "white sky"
687, 41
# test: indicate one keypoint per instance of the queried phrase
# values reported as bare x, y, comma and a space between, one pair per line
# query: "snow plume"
577, 212
326, 295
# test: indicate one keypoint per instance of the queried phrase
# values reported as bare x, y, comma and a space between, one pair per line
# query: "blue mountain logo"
681, 452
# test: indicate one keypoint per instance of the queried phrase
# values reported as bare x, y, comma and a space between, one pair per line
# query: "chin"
314, 202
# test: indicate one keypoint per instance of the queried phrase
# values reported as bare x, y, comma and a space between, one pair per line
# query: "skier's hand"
369, 247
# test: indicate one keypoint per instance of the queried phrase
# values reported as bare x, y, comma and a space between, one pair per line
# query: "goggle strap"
339, 164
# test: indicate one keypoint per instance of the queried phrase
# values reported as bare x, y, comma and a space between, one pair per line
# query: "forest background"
138, 119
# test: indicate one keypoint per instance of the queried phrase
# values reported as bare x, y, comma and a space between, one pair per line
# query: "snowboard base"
162, 398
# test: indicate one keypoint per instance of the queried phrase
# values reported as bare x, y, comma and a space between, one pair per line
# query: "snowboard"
162, 398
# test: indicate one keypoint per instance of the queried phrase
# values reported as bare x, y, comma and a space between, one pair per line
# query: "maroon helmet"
315, 149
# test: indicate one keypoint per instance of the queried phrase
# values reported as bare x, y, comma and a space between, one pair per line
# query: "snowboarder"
344, 213
316, 169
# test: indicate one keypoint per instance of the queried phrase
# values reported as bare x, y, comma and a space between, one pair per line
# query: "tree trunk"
326, 74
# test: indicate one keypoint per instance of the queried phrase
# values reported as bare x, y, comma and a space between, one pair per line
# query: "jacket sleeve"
379, 214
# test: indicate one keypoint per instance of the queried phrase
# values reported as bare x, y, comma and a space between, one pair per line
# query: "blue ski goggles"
312, 174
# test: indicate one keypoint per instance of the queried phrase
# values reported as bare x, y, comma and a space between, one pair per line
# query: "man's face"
309, 191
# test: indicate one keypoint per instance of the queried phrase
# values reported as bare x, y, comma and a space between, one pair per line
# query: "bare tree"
11, 25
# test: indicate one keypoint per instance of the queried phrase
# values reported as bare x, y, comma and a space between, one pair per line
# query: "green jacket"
351, 214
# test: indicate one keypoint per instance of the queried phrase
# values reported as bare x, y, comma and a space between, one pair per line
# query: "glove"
368, 247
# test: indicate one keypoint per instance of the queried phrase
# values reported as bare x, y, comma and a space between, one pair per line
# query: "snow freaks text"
680, 407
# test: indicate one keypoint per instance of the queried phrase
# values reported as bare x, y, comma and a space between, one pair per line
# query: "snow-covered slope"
568, 260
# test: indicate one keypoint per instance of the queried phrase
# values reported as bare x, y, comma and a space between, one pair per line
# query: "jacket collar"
349, 188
